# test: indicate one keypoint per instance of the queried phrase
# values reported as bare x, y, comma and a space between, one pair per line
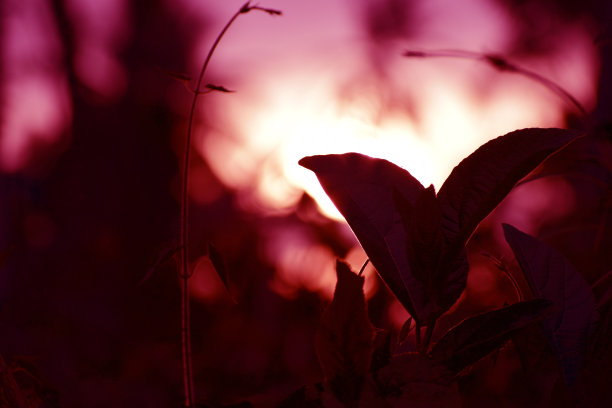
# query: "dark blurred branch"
67, 36
501, 64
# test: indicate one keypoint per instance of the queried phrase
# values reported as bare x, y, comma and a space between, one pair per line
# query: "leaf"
218, 88
482, 180
442, 276
362, 189
382, 351
552, 277
602, 290
217, 260
10, 393
425, 239
307, 396
344, 341
405, 330
412, 380
270, 11
477, 336
163, 256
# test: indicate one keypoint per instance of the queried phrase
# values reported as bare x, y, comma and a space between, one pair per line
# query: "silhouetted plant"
416, 240
185, 272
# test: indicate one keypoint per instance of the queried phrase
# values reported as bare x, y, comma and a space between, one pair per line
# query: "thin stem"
499, 264
185, 272
501, 65
417, 335
364, 266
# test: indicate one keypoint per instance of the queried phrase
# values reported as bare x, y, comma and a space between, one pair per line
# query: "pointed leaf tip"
362, 189
219, 265
306, 162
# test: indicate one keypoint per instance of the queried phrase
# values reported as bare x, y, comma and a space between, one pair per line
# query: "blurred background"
93, 130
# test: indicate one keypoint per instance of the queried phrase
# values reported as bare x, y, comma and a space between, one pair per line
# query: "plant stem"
364, 266
502, 65
185, 273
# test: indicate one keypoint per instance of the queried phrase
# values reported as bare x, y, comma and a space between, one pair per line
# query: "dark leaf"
218, 88
382, 351
164, 256
272, 12
308, 396
552, 277
217, 260
477, 336
344, 341
10, 393
405, 330
481, 181
602, 290
425, 239
412, 380
362, 189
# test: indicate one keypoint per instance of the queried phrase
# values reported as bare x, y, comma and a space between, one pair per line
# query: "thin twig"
364, 266
501, 65
499, 264
185, 273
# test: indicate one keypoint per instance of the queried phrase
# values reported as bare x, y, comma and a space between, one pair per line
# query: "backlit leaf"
477, 336
425, 239
481, 181
552, 277
344, 341
398, 224
362, 189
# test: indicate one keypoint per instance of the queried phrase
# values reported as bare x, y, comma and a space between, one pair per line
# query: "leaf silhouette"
391, 213
602, 290
219, 263
552, 277
362, 188
425, 239
344, 341
416, 240
412, 380
218, 88
405, 330
477, 336
481, 181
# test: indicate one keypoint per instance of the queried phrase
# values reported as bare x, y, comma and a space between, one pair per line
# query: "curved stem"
502, 65
185, 272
